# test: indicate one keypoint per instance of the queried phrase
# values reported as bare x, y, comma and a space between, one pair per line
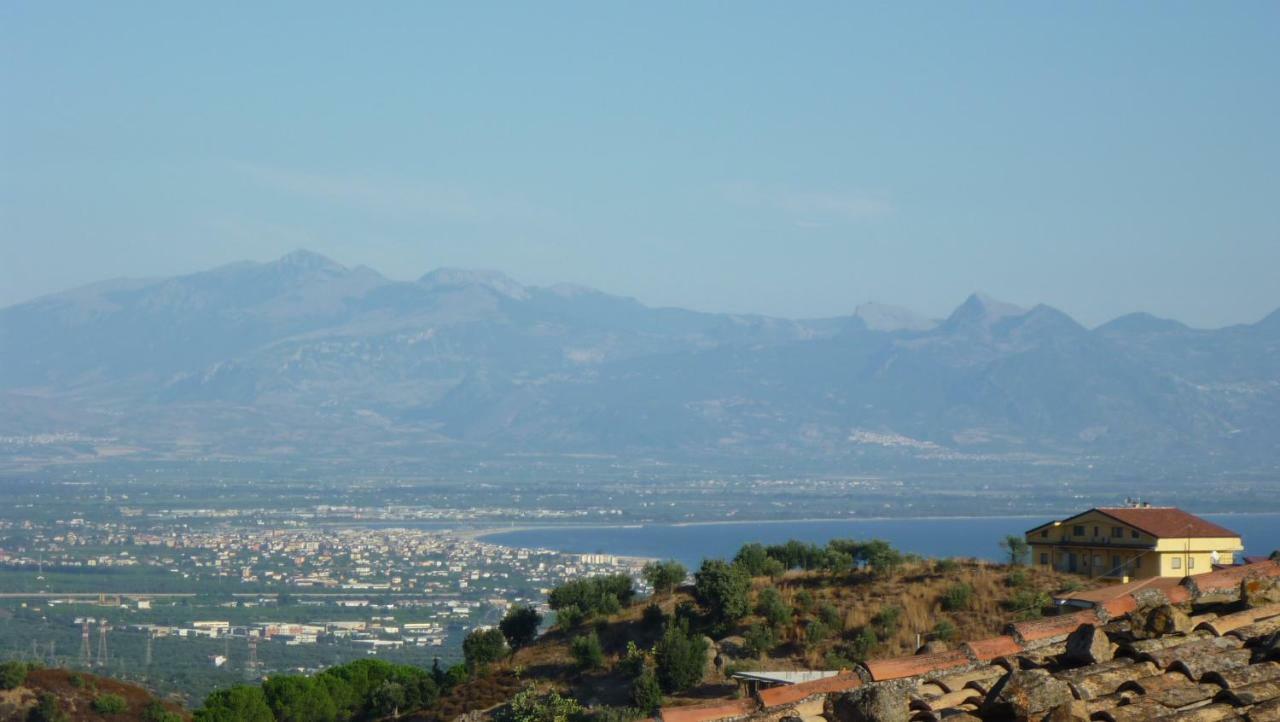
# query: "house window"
1095, 531
1078, 530
1117, 532
1115, 562
1191, 562
1177, 563
1133, 533
1137, 562
1045, 533
1044, 558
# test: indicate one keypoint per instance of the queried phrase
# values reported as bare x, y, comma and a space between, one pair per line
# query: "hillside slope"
79, 696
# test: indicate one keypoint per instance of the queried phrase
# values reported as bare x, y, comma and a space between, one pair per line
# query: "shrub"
664, 577
680, 657
595, 595
774, 569
47, 709
759, 639
752, 558
886, 621
944, 630
587, 651
957, 597
1028, 603
831, 617
634, 661
646, 694
520, 626
242, 703
861, 646
723, 590
569, 617
1017, 578
156, 712
770, 606
109, 704
529, 706
13, 674
653, 617
945, 566
815, 633
803, 600
482, 647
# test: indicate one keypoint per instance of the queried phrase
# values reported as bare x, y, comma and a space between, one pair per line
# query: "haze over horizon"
770, 160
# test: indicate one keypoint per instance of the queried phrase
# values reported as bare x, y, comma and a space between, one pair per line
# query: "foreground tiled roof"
1221, 663
1167, 522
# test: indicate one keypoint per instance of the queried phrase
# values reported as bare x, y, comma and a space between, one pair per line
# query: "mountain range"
304, 358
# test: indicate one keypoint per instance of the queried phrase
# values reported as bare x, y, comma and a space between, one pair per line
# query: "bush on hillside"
529, 706
646, 693
723, 590
815, 633
47, 709
664, 577
483, 647
109, 704
944, 630
769, 605
240, 703
759, 640
13, 674
155, 711
680, 657
831, 617
520, 625
595, 595
957, 597
587, 651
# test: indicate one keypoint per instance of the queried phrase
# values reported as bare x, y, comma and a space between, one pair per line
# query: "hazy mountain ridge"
302, 353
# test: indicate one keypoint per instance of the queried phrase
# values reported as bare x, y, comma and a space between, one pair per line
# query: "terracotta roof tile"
1222, 625
1049, 627
985, 650
1247, 675
792, 693
1167, 522
1120, 606
708, 712
915, 664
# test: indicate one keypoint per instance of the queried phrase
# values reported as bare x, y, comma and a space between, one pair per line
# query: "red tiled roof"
1049, 627
986, 650
914, 664
1166, 522
791, 693
708, 712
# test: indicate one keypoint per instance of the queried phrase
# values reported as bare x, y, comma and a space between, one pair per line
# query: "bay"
976, 537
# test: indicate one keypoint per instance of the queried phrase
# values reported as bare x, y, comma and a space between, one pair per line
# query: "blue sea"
934, 537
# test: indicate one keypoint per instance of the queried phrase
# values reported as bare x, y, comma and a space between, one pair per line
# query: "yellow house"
1133, 542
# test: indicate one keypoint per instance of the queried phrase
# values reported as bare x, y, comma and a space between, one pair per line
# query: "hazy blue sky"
785, 158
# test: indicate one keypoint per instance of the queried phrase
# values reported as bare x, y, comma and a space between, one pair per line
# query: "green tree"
483, 647
587, 651
1016, 548
769, 605
155, 711
646, 693
759, 640
831, 617
680, 657
13, 674
520, 625
664, 577
595, 595
388, 699
570, 616
723, 590
109, 704
241, 703
885, 621
295, 698
752, 558
815, 632
880, 557
774, 569
529, 706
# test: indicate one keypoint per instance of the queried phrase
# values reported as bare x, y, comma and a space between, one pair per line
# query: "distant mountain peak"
884, 317
981, 309
495, 281
305, 260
